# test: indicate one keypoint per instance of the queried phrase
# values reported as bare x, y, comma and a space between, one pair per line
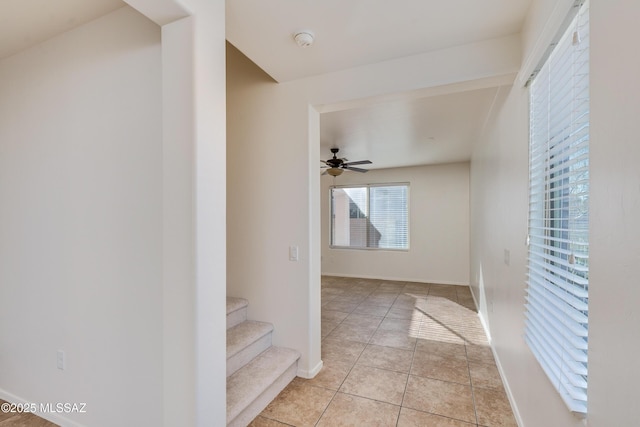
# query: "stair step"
255, 385
236, 311
245, 341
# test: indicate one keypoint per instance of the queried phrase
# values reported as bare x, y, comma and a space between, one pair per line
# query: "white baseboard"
507, 389
49, 416
308, 374
396, 279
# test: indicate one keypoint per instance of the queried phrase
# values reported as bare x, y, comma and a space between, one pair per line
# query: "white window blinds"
370, 216
558, 258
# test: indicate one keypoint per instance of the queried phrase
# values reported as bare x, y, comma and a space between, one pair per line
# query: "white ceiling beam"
495, 60
160, 11
482, 83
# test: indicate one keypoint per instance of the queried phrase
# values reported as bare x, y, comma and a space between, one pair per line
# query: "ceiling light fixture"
334, 171
303, 38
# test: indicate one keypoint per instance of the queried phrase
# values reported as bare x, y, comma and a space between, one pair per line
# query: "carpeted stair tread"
234, 304
236, 311
245, 334
248, 383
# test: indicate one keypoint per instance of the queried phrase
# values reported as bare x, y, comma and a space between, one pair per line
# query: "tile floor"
13, 419
396, 354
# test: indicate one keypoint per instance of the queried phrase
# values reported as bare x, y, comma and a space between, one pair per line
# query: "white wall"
614, 314
273, 198
81, 221
499, 222
273, 153
438, 227
265, 214
209, 190
108, 74
499, 207
194, 189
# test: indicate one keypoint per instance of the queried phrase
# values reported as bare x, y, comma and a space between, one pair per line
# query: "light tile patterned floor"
396, 354
15, 419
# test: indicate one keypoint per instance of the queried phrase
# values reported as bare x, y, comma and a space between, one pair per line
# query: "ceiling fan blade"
324, 173
359, 162
355, 169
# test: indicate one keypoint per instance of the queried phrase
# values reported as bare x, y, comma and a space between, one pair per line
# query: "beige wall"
268, 204
614, 315
273, 153
81, 227
499, 222
438, 227
194, 218
112, 240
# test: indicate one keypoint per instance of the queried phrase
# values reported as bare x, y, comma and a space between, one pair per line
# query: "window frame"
368, 200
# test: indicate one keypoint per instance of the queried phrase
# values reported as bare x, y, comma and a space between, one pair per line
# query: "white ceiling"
408, 132
24, 23
349, 33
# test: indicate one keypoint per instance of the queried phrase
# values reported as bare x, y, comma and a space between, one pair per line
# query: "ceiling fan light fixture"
337, 166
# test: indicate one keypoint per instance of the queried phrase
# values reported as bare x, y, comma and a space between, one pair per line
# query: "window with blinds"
557, 302
370, 217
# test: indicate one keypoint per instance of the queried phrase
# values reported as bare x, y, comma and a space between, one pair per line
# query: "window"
558, 258
370, 217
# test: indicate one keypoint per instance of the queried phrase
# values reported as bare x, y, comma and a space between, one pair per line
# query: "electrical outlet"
60, 360
507, 256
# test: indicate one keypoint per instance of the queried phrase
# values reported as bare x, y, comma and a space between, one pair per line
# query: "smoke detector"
303, 38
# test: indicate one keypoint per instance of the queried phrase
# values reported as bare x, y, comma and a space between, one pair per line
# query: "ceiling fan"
336, 166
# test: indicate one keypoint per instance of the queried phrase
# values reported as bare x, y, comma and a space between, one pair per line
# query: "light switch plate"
293, 253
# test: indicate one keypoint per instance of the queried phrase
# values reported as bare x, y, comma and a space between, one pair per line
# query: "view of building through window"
370, 216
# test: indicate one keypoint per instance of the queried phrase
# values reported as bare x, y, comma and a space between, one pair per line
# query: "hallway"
396, 354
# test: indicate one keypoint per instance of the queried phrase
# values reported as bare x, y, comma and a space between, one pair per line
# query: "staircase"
256, 371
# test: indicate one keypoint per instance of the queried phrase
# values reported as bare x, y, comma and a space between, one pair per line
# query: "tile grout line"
413, 356
473, 395
367, 344
350, 369
405, 384
400, 291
